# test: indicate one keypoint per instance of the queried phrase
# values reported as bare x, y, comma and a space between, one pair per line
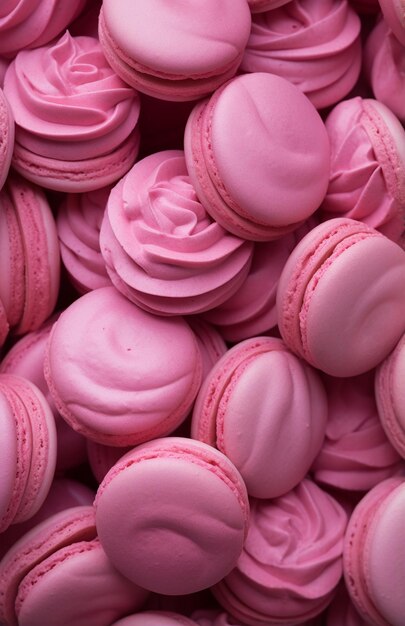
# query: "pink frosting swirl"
161, 248
316, 45
68, 103
33, 23
291, 561
79, 222
356, 454
367, 176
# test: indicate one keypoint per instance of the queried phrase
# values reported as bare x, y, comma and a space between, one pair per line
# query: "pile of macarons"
202, 313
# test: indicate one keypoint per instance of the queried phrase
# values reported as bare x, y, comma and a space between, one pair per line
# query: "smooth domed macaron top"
155, 618
188, 38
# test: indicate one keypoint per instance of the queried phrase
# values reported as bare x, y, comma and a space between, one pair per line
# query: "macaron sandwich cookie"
6, 137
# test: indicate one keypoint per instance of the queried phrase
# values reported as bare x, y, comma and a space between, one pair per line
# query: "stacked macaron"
202, 313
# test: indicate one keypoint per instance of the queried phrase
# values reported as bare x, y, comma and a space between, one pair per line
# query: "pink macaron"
257, 402
162, 249
155, 618
119, 375
210, 341
373, 554
159, 529
367, 175
172, 52
78, 222
58, 573
356, 454
394, 14
28, 449
315, 46
342, 282
291, 561
6, 137
390, 396
76, 120
245, 145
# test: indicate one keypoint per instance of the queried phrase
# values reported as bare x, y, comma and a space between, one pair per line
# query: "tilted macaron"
28, 449
389, 391
58, 574
120, 375
162, 531
373, 554
6, 137
174, 53
245, 145
315, 46
367, 175
76, 120
258, 402
291, 561
162, 249
342, 284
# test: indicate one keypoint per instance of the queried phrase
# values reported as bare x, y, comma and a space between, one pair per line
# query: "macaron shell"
76, 585
394, 15
155, 618
6, 137
8, 454
12, 282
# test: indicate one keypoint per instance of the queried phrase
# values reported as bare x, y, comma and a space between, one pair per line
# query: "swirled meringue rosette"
162, 249
78, 223
76, 120
315, 45
291, 561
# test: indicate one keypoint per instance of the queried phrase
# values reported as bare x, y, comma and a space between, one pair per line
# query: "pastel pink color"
256, 403
394, 14
340, 285
314, 45
245, 145
114, 370
210, 341
29, 255
383, 66
174, 51
373, 554
162, 532
75, 118
155, 618
6, 137
252, 311
3, 68
78, 222
161, 248
59, 574
367, 177
28, 449
26, 359
356, 454
33, 23
257, 6
291, 561
389, 391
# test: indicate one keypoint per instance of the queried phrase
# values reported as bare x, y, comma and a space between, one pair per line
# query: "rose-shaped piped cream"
291, 561
33, 23
315, 45
162, 249
75, 118
79, 222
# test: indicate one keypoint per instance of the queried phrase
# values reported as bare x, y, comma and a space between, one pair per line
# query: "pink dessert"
158, 529
314, 45
373, 554
6, 137
101, 458
173, 52
28, 449
383, 66
26, 359
155, 618
79, 222
34, 23
257, 6
390, 396
114, 370
291, 561
29, 255
356, 454
243, 178
162, 249
394, 15
367, 177
210, 341
75, 118
59, 574
258, 401
338, 286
